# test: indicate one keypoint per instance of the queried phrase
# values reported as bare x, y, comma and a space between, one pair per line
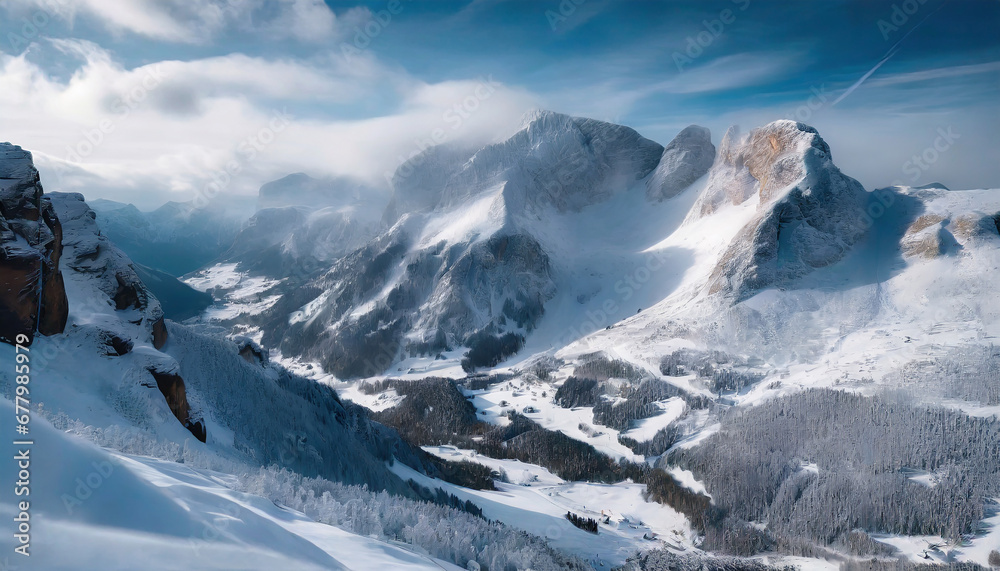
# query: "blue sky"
151, 100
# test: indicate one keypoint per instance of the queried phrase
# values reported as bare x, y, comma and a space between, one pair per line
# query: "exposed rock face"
941, 234
927, 237
159, 333
251, 352
119, 304
503, 281
809, 213
975, 226
385, 300
32, 293
729, 181
88, 252
685, 159
175, 393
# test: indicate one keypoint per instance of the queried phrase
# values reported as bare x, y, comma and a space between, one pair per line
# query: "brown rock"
975, 225
159, 333
18, 294
924, 222
127, 295
32, 292
171, 385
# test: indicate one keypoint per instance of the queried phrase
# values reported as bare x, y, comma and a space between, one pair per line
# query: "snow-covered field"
236, 293
537, 501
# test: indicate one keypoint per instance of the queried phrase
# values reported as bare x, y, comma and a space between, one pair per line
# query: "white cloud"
199, 21
311, 20
608, 96
163, 131
731, 72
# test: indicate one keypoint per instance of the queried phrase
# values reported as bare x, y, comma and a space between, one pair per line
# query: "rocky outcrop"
975, 226
32, 292
117, 303
685, 159
808, 215
251, 351
171, 385
159, 330
942, 233
730, 182
500, 284
106, 268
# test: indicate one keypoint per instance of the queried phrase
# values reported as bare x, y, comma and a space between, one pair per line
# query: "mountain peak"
685, 159
808, 214
554, 159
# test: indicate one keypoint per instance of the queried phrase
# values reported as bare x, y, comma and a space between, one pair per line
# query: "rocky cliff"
32, 293
808, 213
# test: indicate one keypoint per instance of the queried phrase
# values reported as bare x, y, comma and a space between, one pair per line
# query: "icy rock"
685, 159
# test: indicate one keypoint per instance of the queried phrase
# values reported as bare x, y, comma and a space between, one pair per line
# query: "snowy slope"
94, 509
881, 306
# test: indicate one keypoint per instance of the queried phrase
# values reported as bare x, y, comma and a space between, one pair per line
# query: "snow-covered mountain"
566, 228
580, 315
657, 287
474, 253
808, 213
